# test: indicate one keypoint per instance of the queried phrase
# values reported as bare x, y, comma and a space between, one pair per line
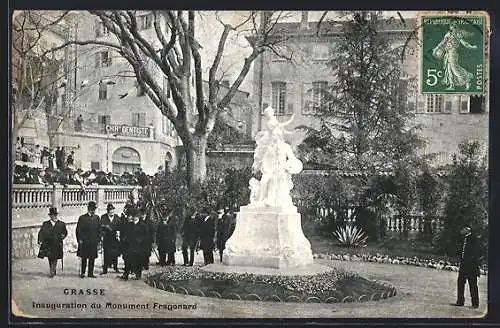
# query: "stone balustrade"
31, 203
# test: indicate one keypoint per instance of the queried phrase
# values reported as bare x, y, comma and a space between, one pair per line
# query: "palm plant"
351, 236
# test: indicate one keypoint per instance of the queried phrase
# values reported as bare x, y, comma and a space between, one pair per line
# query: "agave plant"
351, 236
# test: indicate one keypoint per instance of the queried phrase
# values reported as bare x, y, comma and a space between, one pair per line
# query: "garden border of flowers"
152, 280
384, 258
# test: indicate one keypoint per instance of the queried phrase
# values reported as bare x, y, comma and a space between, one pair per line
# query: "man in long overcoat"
470, 261
50, 239
150, 236
110, 223
88, 233
223, 231
207, 236
135, 241
189, 238
166, 235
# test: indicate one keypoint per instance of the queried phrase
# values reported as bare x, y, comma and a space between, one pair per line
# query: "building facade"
294, 86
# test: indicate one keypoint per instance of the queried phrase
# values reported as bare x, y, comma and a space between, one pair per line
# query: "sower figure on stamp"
470, 261
207, 237
189, 238
166, 235
88, 233
50, 239
111, 245
136, 242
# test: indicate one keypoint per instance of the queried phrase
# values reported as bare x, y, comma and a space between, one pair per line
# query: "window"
434, 103
279, 97
463, 103
102, 59
319, 89
477, 104
101, 29
103, 120
144, 22
103, 91
410, 106
95, 166
139, 119
320, 52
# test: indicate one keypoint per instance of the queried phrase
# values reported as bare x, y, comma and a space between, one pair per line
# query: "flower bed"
331, 287
379, 258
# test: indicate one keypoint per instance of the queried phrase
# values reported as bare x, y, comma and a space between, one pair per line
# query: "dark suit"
150, 238
88, 231
223, 232
50, 238
110, 242
166, 235
207, 235
135, 242
190, 236
469, 270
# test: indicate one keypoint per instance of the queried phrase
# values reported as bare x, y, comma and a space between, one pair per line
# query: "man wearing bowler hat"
111, 245
88, 231
50, 239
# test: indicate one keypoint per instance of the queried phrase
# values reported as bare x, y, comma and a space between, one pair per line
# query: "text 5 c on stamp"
453, 56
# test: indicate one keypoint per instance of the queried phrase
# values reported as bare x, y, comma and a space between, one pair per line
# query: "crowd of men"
54, 158
134, 236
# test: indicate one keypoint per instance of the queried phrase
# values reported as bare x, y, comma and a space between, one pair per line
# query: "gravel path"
422, 293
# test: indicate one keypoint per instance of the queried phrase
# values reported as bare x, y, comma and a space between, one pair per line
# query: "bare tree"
177, 58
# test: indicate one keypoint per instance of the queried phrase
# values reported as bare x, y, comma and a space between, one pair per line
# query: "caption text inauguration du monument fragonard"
107, 304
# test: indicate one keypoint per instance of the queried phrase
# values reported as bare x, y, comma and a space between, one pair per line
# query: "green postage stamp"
454, 52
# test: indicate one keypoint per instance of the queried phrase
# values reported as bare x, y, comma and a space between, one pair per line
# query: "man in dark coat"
50, 239
150, 236
88, 232
111, 245
223, 231
207, 236
166, 235
189, 238
470, 262
135, 237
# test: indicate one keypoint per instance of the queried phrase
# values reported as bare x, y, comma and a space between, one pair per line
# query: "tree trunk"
196, 164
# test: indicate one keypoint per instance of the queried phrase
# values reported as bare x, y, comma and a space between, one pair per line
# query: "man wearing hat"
470, 261
111, 245
50, 239
88, 232
135, 236
150, 236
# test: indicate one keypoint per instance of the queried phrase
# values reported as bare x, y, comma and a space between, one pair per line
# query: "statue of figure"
274, 158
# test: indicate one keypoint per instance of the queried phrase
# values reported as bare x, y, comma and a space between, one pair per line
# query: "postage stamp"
453, 56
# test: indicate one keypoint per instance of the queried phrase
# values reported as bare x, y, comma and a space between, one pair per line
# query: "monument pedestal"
269, 237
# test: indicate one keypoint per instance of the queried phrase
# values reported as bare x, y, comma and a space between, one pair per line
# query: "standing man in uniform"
50, 239
470, 262
111, 245
88, 233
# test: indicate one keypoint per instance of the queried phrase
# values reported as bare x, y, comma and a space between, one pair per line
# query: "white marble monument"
268, 231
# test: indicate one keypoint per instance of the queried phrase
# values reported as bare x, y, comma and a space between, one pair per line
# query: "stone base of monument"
309, 270
269, 237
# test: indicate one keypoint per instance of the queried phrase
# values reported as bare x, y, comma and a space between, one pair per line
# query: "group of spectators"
23, 174
44, 157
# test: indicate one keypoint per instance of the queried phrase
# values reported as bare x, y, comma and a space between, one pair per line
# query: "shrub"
351, 236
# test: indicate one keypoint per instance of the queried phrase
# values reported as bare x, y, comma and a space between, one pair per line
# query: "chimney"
304, 23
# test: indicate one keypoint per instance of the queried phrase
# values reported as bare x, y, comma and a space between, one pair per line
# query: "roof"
333, 28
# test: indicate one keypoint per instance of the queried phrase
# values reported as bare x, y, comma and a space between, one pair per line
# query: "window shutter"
410, 106
142, 119
290, 92
464, 104
420, 105
307, 104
